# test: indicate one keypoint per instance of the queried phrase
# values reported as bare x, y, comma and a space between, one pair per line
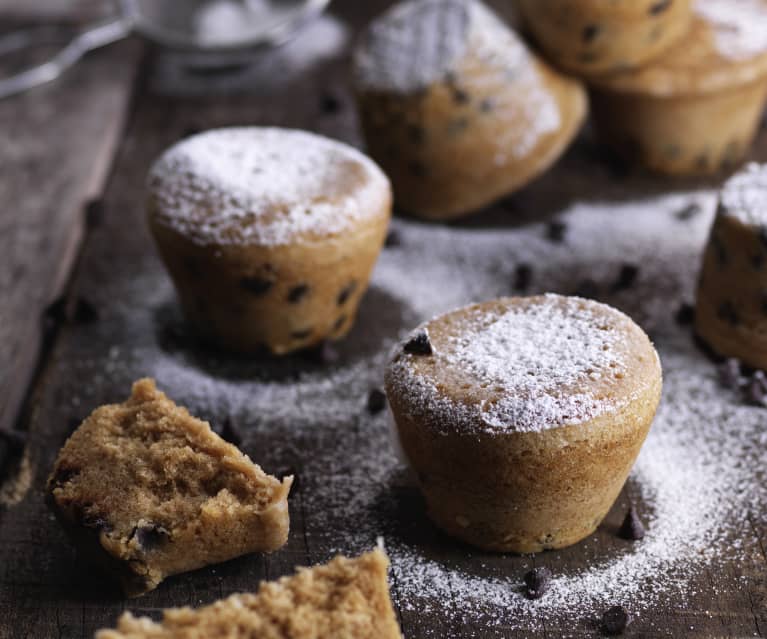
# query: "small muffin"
146, 490
270, 235
731, 311
595, 36
456, 109
343, 599
695, 109
523, 416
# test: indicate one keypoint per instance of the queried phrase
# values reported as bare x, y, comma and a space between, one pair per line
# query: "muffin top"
744, 195
522, 364
418, 43
264, 186
725, 47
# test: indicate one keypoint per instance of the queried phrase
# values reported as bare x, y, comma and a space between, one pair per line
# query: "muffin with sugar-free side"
455, 107
695, 109
596, 36
522, 417
270, 235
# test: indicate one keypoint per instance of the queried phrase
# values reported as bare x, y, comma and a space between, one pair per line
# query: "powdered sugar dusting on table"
744, 195
740, 26
543, 361
265, 186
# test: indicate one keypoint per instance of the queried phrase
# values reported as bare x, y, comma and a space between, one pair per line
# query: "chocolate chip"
590, 31
150, 536
587, 288
615, 620
659, 7
626, 277
346, 293
523, 275
419, 344
297, 293
230, 432
256, 285
191, 130
303, 334
460, 96
339, 322
393, 238
757, 389
85, 312
537, 582
376, 401
94, 213
688, 212
555, 231
728, 313
729, 374
14, 439
685, 315
416, 134
329, 104
632, 527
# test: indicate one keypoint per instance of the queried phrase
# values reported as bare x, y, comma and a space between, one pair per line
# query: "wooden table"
86, 307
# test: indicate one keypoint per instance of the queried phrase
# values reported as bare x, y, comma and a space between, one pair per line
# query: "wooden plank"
58, 142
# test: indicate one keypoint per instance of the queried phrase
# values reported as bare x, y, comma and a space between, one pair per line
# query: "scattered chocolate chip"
150, 536
85, 312
230, 432
256, 285
329, 104
393, 238
590, 31
346, 293
376, 401
94, 213
523, 275
659, 7
729, 374
587, 288
757, 389
685, 315
626, 277
632, 527
555, 231
728, 313
615, 620
419, 344
537, 582
66, 310
460, 96
297, 293
301, 334
688, 212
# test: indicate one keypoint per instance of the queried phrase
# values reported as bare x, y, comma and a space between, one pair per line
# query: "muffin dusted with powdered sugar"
523, 416
455, 107
270, 235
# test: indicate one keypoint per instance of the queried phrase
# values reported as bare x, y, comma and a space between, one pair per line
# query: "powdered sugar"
740, 26
548, 364
264, 186
744, 195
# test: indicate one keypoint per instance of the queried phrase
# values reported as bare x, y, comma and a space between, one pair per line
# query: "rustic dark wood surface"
117, 312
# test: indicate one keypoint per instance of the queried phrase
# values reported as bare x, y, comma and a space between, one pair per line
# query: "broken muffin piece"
344, 599
146, 490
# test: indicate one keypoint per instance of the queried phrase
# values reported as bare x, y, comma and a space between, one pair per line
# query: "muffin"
695, 109
456, 109
595, 36
731, 309
270, 235
523, 416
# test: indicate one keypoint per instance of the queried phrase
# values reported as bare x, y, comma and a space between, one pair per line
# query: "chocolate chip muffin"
695, 109
344, 599
270, 235
593, 36
731, 310
523, 416
455, 107
146, 490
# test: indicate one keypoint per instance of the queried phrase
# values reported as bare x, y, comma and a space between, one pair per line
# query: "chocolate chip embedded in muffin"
256, 285
419, 344
297, 293
346, 293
